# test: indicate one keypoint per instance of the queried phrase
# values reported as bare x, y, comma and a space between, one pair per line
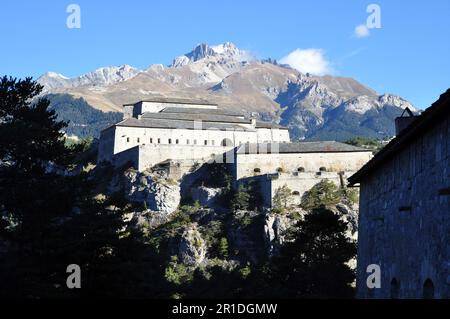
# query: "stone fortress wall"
299, 171
408, 203
246, 164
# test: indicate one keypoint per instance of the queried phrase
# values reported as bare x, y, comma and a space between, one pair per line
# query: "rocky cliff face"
207, 232
192, 247
276, 228
156, 193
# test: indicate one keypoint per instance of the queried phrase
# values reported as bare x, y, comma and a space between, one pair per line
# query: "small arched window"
395, 288
428, 289
296, 193
300, 169
323, 169
257, 170
280, 170
226, 142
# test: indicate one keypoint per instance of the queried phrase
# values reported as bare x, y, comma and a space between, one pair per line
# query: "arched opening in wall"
226, 142
323, 169
296, 193
428, 289
395, 288
257, 170
279, 170
300, 169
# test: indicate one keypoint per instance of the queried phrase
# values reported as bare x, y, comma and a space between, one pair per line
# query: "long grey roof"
192, 110
195, 117
171, 100
298, 147
185, 120
178, 124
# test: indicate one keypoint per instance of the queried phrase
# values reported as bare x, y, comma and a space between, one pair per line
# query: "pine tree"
314, 264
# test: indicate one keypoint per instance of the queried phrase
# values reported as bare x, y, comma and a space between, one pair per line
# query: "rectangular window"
206, 142
128, 139
187, 142
151, 140
138, 140
159, 141
177, 141
195, 142
170, 141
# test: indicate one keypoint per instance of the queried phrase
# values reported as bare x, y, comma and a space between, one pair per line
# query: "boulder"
157, 193
275, 229
192, 248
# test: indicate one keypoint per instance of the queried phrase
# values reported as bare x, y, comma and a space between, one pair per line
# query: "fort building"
184, 134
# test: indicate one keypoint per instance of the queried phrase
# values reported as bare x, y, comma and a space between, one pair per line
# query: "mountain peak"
55, 75
227, 51
201, 51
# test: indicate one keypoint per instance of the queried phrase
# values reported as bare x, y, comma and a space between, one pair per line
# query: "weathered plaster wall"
404, 221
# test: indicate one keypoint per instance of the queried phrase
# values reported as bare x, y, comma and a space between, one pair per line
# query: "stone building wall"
118, 139
291, 163
298, 183
404, 220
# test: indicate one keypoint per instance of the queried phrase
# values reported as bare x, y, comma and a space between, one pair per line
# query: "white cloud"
308, 61
361, 31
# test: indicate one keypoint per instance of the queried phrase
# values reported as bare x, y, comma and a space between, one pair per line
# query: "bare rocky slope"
313, 107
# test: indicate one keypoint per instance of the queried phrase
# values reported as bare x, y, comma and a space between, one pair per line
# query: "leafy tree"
223, 247
324, 193
177, 273
33, 155
241, 198
314, 263
282, 198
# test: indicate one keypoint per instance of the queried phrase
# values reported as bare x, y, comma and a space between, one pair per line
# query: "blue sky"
408, 56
